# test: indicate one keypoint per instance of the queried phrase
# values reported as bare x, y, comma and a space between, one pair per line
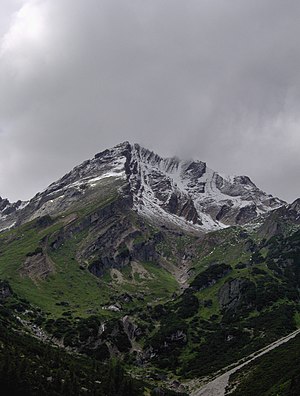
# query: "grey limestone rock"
231, 293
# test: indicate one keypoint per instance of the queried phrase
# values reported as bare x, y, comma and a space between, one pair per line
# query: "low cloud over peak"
215, 80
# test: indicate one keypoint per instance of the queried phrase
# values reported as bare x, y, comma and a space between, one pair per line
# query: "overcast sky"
217, 80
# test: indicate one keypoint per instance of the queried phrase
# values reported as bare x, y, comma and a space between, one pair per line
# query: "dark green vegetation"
275, 374
232, 308
106, 286
30, 367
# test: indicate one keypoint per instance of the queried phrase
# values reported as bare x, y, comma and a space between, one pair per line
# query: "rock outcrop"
231, 293
5, 290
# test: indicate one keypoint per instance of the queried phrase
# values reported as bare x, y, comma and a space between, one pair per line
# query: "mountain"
165, 265
168, 191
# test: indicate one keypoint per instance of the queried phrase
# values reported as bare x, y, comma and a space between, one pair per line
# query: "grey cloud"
212, 79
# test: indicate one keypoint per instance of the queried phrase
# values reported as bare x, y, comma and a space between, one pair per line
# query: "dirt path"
218, 386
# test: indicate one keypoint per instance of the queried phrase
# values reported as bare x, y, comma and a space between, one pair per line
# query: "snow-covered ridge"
184, 193
163, 187
8, 211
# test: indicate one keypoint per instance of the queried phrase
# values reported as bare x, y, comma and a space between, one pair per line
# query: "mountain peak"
169, 191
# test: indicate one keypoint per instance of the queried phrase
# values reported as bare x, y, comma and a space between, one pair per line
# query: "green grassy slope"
82, 272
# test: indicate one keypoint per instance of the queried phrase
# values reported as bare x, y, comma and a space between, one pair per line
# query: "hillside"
165, 265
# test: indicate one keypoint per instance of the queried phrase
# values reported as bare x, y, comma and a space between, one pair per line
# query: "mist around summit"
212, 80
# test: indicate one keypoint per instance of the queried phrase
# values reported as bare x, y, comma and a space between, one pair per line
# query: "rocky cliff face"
167, 191
281, 220
9, 212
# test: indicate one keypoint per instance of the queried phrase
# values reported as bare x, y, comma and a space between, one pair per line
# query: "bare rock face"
5, 290
246, 214
279, 219
4, 204
9, 212
37, 266
231, 293
295, 206
130, 328
7, 208
109, 253
183, 208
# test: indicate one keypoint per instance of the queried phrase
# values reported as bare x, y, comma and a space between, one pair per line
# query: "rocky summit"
135, 274
177, 193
